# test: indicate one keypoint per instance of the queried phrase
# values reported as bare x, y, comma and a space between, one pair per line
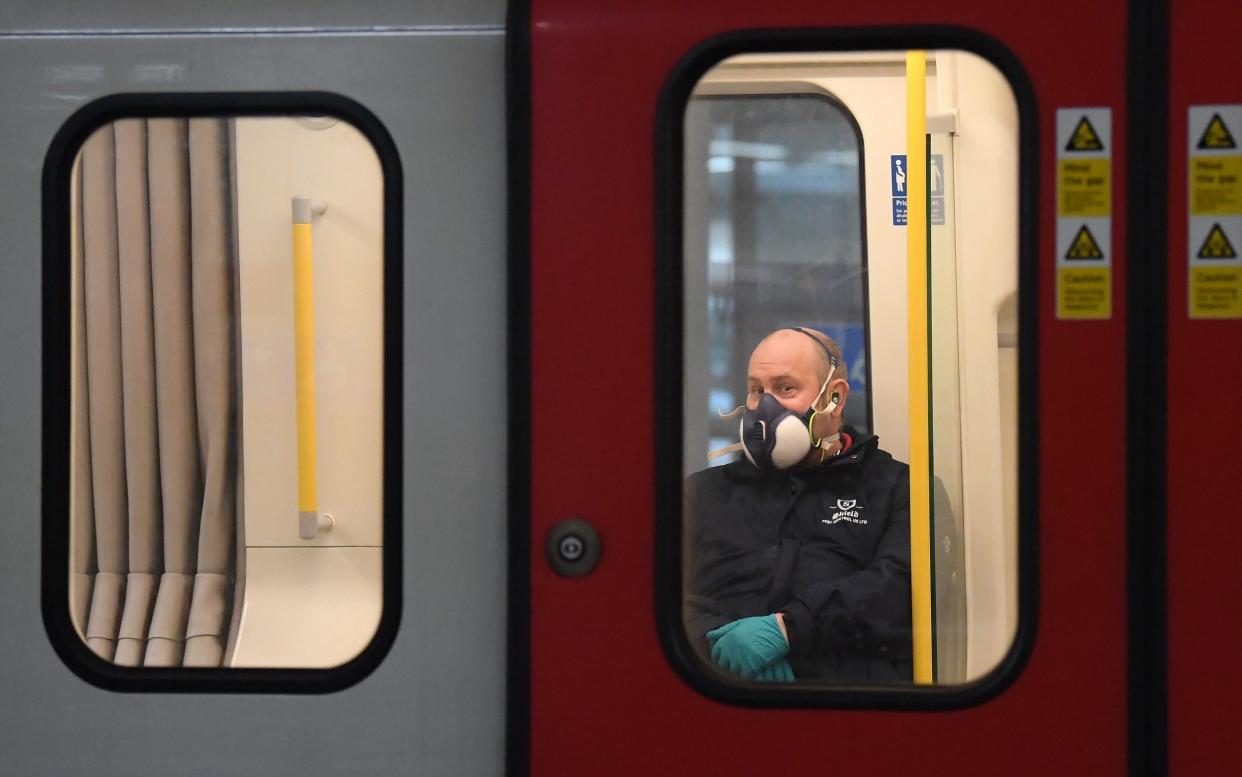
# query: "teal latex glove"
747, 645
778, 672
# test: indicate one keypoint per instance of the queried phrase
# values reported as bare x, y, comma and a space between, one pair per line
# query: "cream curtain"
155, 402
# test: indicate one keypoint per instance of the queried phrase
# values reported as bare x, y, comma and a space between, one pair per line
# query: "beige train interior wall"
311, 603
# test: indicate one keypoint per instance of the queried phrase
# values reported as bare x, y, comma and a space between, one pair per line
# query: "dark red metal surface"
604, 700
1204, 527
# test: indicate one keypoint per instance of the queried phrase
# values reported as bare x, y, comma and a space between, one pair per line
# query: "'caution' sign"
1084, 138
1216, 134
1217, 245
1084, 213
1214, 211
1084, 293
1084, 246
1215, 293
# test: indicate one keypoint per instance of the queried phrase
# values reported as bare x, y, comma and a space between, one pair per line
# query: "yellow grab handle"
919, 345
309, 523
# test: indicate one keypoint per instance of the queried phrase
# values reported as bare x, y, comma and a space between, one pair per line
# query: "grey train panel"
92, 15
435, 705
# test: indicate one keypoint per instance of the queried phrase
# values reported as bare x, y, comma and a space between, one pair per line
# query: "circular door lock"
573, 548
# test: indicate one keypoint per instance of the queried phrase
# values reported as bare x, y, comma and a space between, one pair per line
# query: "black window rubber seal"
56, 421
668, 367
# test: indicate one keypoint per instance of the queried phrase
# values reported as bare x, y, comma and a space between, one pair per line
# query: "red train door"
1204, 309
612, 688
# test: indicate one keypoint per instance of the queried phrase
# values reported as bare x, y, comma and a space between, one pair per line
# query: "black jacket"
828, 545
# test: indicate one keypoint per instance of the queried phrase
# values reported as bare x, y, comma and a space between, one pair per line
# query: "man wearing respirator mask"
799, 551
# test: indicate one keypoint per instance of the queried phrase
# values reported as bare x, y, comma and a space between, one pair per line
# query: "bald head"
806, 343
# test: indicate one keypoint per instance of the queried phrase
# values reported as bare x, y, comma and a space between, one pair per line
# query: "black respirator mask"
774, 437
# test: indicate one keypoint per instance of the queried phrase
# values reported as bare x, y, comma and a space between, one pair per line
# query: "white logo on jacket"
847, 510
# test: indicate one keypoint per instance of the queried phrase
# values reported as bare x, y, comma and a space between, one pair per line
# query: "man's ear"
840, 390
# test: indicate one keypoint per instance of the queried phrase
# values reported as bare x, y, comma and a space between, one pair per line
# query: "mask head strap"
832, 364
832, 360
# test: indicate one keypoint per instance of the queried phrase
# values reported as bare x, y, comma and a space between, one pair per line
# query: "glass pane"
226, 508
779, 241
948, 580
799, 381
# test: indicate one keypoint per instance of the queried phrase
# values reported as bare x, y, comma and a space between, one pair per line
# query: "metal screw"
571, 548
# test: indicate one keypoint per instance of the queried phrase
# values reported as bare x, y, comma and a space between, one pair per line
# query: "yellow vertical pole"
304, 365
916, 286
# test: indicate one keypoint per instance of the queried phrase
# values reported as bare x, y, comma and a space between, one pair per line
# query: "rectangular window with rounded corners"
227, 395
849, 282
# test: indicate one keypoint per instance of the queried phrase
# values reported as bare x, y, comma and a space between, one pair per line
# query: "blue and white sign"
935, 173
898, 165
897, 169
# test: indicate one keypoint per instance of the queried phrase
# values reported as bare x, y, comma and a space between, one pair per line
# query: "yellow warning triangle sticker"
1084, 138
1084, 246
1217, 246
1216, 135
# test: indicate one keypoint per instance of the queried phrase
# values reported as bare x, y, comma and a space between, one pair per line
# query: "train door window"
227, 397
849, 427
